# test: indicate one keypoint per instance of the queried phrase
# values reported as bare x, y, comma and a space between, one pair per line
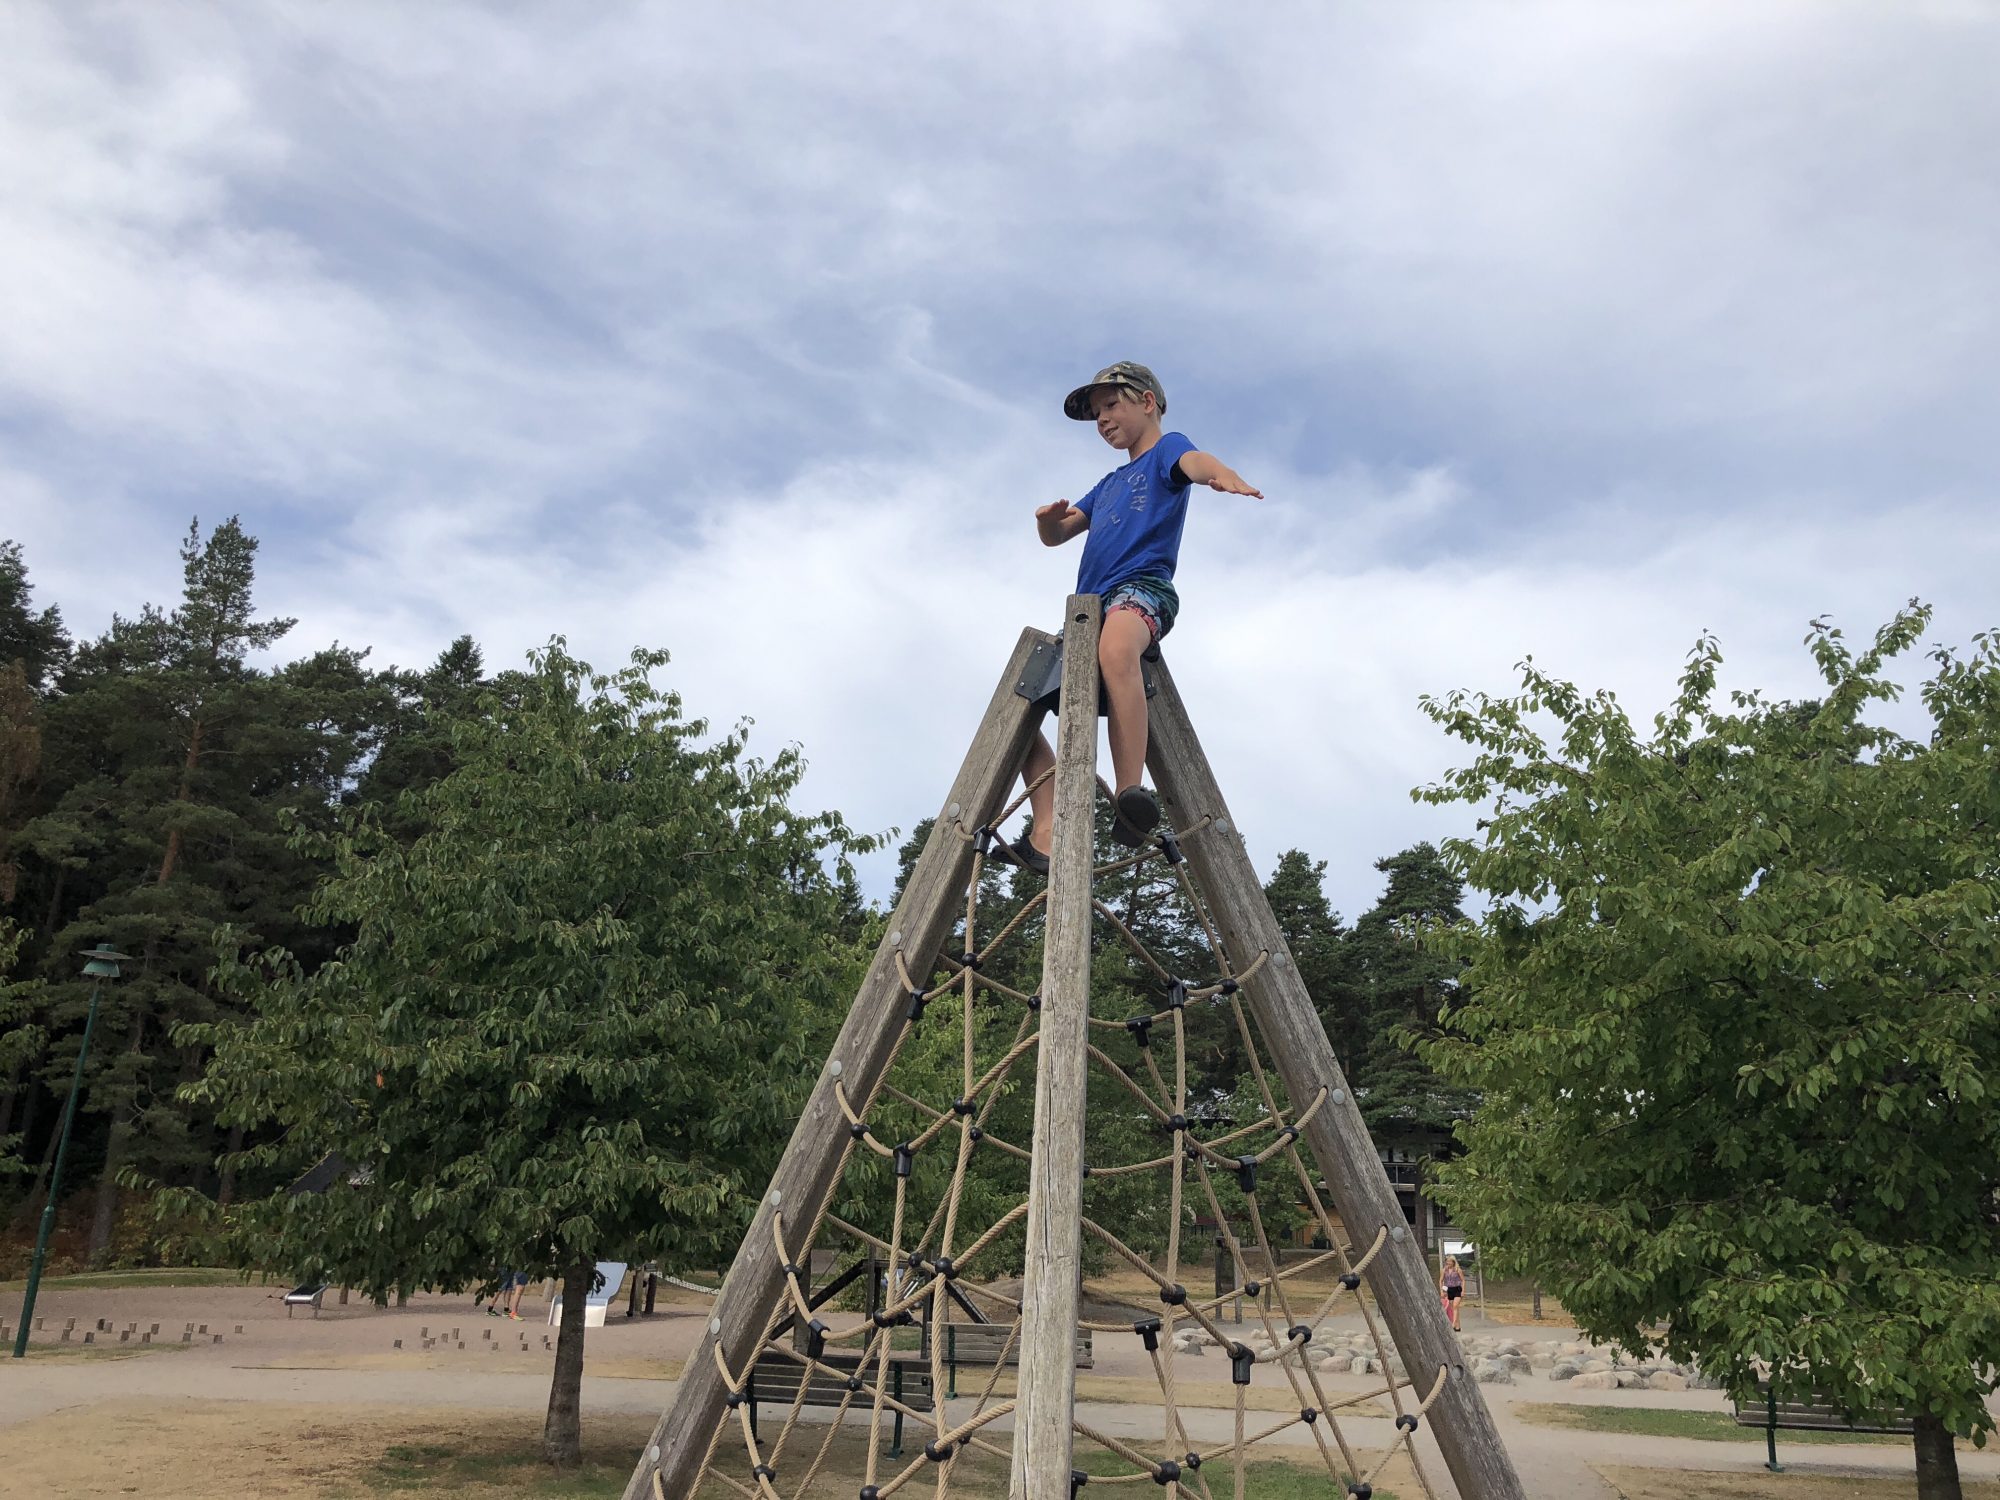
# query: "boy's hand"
1058, 521
1206, 468
1232, 483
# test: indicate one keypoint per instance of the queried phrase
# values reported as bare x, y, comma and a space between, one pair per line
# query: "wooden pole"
805, 1178
1049, 1278
1298, 1049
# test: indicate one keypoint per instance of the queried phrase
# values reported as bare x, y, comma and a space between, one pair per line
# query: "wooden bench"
983, 1344
775, 1379
1812, 1413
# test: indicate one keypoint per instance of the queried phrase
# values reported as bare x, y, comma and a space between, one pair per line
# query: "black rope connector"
816, 1332
1167, 1472
871, 1492
854, 1383
1173, 1295
901, 1319
859, 1130
1191, 1460
1253, 1288
937, 1452
983, 840
732, 1399
1299, 1333
1361, 1490
1177, 995
975, 1134
1351, 1281
1407, 1421
1289, 1134
1176, 1123
1034, 1002
1077, 1480
1141, 1028
1149, 1330
1241, 1358
906, 1159
918, 1000
1170, 846
765, 1471
792, 1270
914, 1261
944, 1267
969, 960
1086, 1171
962, 1107
1246, 1173
1230, 987
1309, 1415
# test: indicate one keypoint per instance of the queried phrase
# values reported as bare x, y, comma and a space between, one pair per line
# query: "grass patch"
92, 1281
475, 1467
1680, 1484
1663, 1421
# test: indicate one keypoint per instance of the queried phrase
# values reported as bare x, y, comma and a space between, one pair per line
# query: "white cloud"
1562, 328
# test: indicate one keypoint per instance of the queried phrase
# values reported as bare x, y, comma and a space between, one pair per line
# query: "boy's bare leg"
1125, 637
1042, 800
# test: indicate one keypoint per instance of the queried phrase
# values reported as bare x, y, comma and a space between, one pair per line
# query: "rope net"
926, 1370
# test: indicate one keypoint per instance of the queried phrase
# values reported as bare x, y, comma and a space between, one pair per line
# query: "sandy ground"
302, 1405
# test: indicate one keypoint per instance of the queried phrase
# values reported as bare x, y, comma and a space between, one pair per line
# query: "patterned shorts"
1152, 599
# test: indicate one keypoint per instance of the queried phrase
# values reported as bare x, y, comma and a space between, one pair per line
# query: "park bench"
776, 1379
981, 1345
306, 1296
1811, 1413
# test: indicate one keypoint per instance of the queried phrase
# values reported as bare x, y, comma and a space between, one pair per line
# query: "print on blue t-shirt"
1136, 513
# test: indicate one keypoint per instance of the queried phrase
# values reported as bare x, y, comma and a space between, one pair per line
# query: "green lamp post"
103, 964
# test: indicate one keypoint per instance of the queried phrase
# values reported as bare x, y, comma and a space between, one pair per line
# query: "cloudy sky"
741, 330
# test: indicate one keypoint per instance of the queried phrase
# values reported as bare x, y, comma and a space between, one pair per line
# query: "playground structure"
768, 1329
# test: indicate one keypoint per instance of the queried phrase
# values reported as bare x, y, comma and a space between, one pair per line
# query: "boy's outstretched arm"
1058, 521
1206, 468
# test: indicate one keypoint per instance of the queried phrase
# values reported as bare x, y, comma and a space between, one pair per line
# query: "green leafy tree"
1396, 986
1735, 1016
574, 1017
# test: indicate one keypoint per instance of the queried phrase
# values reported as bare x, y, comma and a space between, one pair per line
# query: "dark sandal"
1138, 815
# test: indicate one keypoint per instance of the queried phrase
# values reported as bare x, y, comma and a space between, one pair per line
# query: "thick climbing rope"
928, 1254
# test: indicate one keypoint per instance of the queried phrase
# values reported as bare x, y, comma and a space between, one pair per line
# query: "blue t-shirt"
1136, 513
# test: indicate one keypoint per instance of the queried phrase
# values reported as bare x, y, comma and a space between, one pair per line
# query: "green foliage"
1733, 1016
574, 1015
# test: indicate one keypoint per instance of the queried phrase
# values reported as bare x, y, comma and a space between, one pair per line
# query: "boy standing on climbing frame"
1134, 517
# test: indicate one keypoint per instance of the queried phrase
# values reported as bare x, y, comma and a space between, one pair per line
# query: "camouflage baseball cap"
1133, 377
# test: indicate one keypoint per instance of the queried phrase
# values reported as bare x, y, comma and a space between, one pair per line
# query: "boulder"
1565, 1369
1667, 1380
1492, 1372
1595, 1380
1627, 1380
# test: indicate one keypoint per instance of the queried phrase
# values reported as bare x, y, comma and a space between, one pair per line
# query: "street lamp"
103, 964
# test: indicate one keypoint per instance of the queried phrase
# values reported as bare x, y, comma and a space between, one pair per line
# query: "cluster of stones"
1492, 1361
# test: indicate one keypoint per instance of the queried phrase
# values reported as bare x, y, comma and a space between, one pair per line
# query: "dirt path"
71, 1417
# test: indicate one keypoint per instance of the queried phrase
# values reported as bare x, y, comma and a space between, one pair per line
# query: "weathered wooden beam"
805, 1178
1298, 1048
1049, 1277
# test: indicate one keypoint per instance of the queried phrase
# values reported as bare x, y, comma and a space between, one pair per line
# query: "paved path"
1554, 1463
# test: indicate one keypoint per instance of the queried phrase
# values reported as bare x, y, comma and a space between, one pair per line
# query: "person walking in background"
1451, 1289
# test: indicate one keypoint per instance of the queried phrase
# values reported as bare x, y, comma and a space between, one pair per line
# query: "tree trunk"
1937, 1461
562, 1433
7, 1097
31, 1205
104, 1220
225, 1194
186, 793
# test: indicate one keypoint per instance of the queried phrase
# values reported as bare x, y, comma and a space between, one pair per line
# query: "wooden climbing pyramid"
941, 1370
